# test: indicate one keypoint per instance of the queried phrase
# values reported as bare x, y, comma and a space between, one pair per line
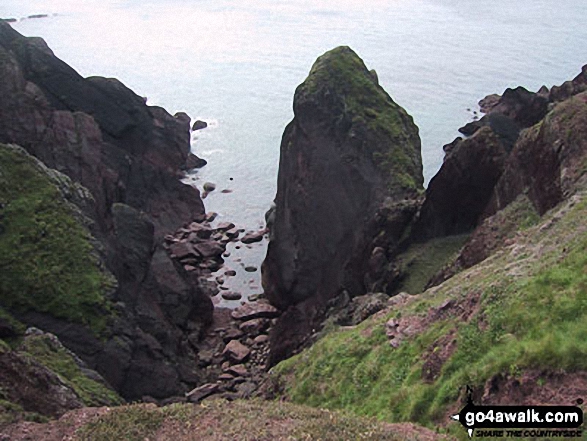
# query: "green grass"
390, 133
422, 261
47, 261
56, 358
537, 319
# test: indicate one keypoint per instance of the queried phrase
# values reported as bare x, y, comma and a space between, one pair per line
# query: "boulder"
251, 311
199, 125
231, 295
254, 326
209, 248
256, 236
236, 351
199, 393
209, 187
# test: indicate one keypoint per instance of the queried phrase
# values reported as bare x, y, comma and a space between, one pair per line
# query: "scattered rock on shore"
199, 125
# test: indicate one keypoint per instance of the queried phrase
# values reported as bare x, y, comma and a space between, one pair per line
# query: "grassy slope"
241, 420
46, 257
532, 313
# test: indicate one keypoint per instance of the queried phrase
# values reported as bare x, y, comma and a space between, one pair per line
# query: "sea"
235, 64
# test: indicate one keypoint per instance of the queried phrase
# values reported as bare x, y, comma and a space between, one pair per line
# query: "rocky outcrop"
545, 166
349, 154
128, 156
458, 194
40, 377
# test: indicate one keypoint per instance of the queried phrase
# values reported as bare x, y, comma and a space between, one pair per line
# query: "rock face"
349, 151
128, 156
458, 194
485, 188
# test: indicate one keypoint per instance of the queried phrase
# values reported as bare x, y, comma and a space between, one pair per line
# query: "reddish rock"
224, 226
182, 250
232, 233
256, 236
236, 351
201, 230
261, 339
209, 248
254, 326
238, 370
254, 310
233, 334
199, 393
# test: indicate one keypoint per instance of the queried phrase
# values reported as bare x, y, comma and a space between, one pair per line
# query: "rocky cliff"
506, 320
120, 163
349, 162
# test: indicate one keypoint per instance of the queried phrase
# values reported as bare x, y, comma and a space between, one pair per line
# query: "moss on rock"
47, 260
388, 130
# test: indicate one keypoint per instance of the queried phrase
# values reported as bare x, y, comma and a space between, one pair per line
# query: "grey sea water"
235, 64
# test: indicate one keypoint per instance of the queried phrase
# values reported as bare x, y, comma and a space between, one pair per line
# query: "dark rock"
250, 269
233, 334
231, 295
194, 161
211, 216
458, 194
199, 393
236, 351
488, 103
256, 236
250, 311
7, 328
230, 273
103, 136
340, 162
209, 187
569, 88
546, 161
321, 149
199, 125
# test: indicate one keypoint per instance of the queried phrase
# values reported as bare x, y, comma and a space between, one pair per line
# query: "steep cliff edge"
349, 161
127, 157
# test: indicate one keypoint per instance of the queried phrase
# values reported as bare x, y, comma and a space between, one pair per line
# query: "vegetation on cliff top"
523, 308
243, 420
390, 132
47, 261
